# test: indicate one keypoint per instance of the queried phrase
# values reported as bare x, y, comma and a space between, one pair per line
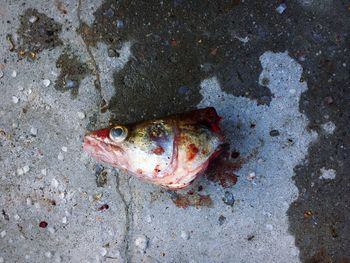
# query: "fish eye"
118, 133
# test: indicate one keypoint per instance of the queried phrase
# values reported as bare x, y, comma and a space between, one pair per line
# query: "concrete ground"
278, 74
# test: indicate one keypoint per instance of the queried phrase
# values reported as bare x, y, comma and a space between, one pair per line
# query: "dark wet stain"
222, 220
72, 72
191, 198
37, 32
222, 170
174, 49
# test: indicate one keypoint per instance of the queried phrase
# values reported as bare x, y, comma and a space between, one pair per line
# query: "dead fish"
170, 152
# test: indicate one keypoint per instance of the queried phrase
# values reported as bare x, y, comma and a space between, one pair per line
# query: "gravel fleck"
328, 127
16, 217
14, 74
64, 149
222, 220
33, 19
274, 133
141, 242
269, 227
1, 74
2, 260
60, 156
29, 201
15, 100
228, 198
44, 172
54, 183
327, 174
25, 169
33, 131
81, 115
48, 254
185, 235
280, 9
51, 230
103, 251
3, 234
46, 82
64, 220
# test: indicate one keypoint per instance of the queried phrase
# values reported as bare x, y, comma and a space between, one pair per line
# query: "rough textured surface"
280, 79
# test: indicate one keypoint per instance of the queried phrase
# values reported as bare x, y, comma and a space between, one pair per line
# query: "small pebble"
71, 84
112, 53
269, 227
46, 82
280, 9
43, 172
2, 260
16, 217
48, 254
328, 127
60, 156
222, 220
15, 100
64, 220
29, 201
51, 230
64, 149
141, 242
33, 19
19, 171
103, 252
1, 74
26, 169
3, 234
185, 235
14, 74
33, 131
36, 205
274, 133
81, 115
327, 174
120, 23
228, 198
251, 176
54, 183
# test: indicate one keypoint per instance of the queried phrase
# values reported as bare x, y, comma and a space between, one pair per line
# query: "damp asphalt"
276, 71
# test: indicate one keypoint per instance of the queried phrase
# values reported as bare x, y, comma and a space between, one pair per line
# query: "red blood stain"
222, 170
43, 224
192, 151
195, 199
103, 207
158, 151
104, 133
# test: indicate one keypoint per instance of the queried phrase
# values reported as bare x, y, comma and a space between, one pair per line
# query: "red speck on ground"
158, 151
192, 151
43, 224
103, 207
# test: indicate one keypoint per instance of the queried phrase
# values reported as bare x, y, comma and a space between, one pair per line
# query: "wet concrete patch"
72, 72
37, 32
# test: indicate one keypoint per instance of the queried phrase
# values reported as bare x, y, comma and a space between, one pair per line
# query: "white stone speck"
44, 172
1, 74
36, 205
327, 174
33, 19
103, 251
51, 230
269, 227
280, 9
60, 156
141, 242
81, 115
15, 100
328, 127
243, 39
46, 82
64, 149
14, 74
16, 217
20, 171
29, 201
185, 235
3, 234
148, 219
64, 220
2, 260
48, 254
33, 131
25, 169
54, 183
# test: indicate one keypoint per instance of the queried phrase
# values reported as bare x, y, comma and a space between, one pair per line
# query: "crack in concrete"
129, 217
96, 70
